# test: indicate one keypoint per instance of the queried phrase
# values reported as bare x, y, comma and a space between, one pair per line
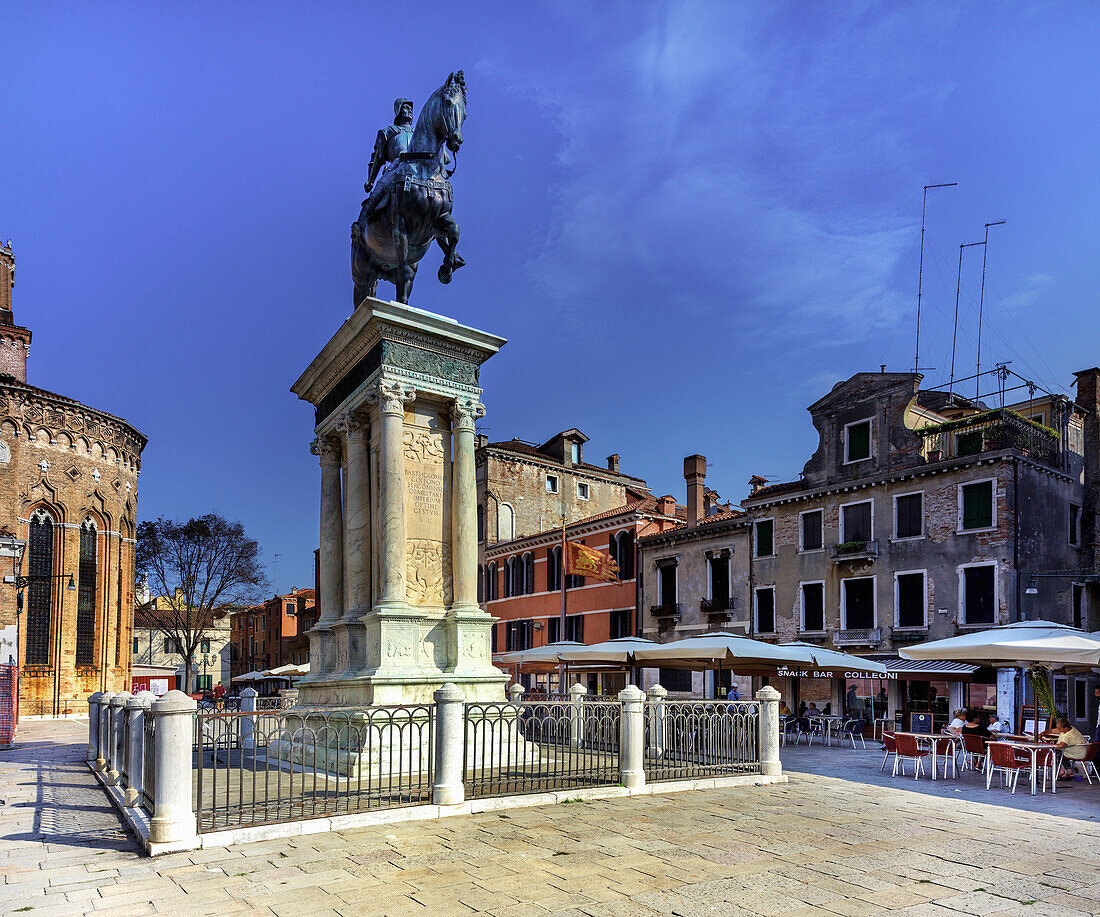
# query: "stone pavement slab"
839, 840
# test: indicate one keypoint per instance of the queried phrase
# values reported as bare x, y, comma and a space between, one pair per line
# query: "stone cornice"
37, 407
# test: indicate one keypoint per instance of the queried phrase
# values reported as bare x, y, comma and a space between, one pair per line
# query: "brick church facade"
68, 507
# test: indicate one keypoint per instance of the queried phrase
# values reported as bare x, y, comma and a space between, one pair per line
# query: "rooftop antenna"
275, 574
981, 302
920, 270
955, 332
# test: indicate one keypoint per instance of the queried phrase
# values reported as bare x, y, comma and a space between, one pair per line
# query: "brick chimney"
755, 483
613, 462
666, 505
695, 473
15, 341
1088, 398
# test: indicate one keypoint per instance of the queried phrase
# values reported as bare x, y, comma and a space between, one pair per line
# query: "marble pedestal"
396, 396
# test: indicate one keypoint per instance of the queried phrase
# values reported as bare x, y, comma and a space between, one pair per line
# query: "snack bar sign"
783, 672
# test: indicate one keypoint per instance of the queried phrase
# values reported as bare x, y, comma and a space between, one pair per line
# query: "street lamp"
22, 582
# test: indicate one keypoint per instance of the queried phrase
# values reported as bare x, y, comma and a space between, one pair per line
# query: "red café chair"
891, 746
908, 750
1007, 761
1047, 759
1088, 763
974, 752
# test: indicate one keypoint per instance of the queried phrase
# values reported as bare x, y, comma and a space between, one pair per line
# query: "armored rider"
393, 140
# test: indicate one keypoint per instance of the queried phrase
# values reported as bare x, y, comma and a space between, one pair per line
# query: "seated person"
804, 720
957, 723
972, 726
1070, 742
997, 726
784, 710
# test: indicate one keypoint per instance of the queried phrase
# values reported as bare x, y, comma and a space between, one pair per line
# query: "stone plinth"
396, 396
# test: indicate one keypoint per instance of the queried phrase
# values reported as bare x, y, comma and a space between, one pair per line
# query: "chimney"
710, 502
481, 440
1088, 398
695, 472
613, 462
666, 505
755, 483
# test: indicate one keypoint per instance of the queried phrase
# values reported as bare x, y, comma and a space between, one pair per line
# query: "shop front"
923, 687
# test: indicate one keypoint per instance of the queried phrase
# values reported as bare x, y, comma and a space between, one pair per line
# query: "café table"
830, 724
1033, 748
932, 739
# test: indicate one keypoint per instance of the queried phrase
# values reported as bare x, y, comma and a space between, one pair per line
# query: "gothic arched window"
85, 597
39, 594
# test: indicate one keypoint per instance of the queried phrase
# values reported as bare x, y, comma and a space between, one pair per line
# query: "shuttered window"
977, 505
910, 511
813, 606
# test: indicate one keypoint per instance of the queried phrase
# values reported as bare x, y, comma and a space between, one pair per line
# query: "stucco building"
153, 648
265, 636
68, 506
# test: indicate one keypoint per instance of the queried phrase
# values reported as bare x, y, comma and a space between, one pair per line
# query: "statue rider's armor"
392, 141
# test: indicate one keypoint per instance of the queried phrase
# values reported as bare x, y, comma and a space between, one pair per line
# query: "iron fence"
267, 767
546, 745
689, 739
149, 761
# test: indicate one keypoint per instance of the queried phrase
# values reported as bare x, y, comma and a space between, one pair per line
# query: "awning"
926, 669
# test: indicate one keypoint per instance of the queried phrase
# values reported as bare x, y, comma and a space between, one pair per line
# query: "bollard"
656, 710
136, 708
103, 735
118, 737
576, 715
515, 694
173, 818
770, 765
448, 789
93, 727
632, 737
248, 723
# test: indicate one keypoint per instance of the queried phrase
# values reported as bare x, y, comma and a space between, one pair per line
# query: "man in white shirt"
997, 726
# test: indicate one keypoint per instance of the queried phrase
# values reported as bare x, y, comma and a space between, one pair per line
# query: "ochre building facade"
68, 505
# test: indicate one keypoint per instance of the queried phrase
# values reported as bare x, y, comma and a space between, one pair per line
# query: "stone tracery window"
40, 594
85, 597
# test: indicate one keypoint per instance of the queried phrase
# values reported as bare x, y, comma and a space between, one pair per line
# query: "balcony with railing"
871, 636
722, 612
669, 611
854, 550
991, 431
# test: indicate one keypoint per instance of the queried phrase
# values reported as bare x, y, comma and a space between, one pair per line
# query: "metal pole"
981, 303
955, 332
920, 269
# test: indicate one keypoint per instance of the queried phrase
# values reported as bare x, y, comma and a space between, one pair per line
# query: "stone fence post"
104, 733
655, 710
136, 708
450, 735
173, 818
576, 715
94, 701
118, 737
515, 694
632, 737
248, 723
770, 765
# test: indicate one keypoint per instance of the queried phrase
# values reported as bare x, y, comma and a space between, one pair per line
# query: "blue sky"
690, 219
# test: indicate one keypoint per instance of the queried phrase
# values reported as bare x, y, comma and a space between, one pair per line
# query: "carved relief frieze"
31, 408
423, 446
427, 572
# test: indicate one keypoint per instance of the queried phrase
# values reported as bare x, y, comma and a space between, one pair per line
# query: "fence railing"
690, 739
196, 771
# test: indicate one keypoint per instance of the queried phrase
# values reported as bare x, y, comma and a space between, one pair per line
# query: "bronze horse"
416, 204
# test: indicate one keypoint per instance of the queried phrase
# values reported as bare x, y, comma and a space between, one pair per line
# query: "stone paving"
828, 845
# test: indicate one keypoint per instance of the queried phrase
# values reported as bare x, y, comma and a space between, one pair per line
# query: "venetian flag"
581, 560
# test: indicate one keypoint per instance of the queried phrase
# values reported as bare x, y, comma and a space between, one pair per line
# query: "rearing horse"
416, 205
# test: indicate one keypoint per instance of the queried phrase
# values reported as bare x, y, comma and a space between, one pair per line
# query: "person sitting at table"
972, 726
784, 710
1070, 742
957, 723
804, 719
828, 709
997, 726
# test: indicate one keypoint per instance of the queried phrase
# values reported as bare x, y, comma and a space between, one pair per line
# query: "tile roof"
524, 448
646, 504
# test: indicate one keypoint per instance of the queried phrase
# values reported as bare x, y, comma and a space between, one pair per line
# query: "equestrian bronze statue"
409, 195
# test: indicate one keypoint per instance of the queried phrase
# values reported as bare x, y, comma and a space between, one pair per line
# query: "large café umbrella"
718, 649
545, 655
620, 651
823, 659
1021, 644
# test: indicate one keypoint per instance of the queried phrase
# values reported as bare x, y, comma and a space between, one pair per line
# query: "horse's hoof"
459, 261
444, 275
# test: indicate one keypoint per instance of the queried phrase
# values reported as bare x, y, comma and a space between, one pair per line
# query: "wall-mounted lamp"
1031, 589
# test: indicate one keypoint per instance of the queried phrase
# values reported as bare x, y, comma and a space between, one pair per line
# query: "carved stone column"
464, 414
392, 398
322, 649
357, 544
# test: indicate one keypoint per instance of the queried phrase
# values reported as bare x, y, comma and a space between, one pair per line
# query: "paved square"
823, 844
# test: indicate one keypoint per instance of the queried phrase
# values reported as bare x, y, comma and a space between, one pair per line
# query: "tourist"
1070, 742
972, 726
784, 710
957, 723
997, 726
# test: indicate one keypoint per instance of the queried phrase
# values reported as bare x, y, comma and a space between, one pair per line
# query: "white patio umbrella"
823, 659
619, 651
250, 676
282, 671
547, 654
719, 649
1021, 644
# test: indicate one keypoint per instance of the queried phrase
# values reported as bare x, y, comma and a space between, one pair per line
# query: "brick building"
921, 515
521, 584
264, 636
68, 508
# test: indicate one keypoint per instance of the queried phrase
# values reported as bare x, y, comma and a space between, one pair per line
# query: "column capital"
328, 448
354, 426
392, 396
465, 412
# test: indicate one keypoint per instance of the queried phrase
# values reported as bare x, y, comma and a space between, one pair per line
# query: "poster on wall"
159, 686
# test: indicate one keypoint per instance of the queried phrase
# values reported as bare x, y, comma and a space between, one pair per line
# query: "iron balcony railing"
855, 550
858, 637
666, 610
991, 431
719, 606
